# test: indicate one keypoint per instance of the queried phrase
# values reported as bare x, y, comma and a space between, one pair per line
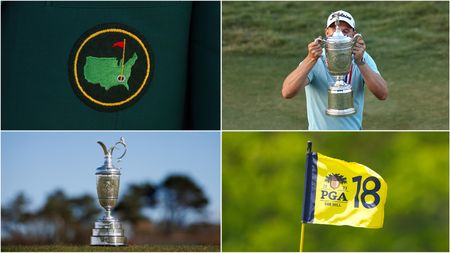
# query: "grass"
264, 41
140, 248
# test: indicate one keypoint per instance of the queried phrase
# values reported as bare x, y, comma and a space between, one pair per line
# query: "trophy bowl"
108, 189
108, 231
339, 55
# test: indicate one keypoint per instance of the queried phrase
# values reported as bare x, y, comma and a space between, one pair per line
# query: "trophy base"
108, 233
345, 112
108, 241
340, 100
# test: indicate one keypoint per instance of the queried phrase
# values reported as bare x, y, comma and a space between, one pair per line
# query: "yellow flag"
342, 193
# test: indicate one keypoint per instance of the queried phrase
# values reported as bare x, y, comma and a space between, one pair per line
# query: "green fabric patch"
106, 71
110, 67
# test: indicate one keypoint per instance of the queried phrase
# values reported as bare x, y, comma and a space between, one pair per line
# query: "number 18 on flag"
342, 193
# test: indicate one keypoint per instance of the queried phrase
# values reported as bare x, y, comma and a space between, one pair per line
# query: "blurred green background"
262, 42
262, 191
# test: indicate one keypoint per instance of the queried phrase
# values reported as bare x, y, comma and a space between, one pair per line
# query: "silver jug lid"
108, 167
338, 36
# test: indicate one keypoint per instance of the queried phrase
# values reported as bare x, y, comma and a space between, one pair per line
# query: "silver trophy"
108, 230
338, 51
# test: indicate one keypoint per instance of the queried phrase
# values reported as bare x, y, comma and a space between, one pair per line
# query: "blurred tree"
59, 220
84, 208
179, 196
134, 200
15, 215
64, 219
16, 211
84, 211
57, 211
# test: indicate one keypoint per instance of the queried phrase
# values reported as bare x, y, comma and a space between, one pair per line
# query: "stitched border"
142, 84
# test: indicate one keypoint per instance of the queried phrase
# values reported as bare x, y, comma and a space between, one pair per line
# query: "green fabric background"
37, 38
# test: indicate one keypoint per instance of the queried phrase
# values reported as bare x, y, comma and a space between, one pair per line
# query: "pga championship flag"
342, 193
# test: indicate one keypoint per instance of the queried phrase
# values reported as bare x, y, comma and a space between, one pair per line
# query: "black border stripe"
309, 197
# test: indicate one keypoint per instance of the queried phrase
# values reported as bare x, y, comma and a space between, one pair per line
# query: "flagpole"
302, 236
302, 233
123, 57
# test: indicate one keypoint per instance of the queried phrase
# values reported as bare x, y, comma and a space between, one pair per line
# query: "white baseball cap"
343, 16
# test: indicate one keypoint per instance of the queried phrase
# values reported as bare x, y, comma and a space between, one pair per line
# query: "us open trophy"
338, 51
108, 230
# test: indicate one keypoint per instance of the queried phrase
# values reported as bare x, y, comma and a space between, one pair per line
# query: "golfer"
312, 74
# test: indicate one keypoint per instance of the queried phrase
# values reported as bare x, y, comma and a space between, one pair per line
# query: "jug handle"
120, 142
108, 152
355, 38
321, 41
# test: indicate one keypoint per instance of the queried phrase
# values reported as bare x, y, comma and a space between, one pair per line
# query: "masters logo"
334, 189
110, 67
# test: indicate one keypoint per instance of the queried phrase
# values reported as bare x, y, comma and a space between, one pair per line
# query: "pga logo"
334, 181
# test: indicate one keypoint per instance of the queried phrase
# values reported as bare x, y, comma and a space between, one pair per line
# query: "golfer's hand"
358, 49
314, 49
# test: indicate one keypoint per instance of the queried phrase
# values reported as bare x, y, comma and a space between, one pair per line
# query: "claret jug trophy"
108, 230
338, 52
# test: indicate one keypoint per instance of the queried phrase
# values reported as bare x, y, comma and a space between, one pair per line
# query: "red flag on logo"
118, 44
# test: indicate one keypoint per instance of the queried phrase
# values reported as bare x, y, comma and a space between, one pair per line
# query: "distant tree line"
64, 219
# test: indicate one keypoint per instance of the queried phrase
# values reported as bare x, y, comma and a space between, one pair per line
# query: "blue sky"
37, 163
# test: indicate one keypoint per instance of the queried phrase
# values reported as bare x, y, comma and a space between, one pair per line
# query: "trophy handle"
321, 41
355, 38
121, 142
